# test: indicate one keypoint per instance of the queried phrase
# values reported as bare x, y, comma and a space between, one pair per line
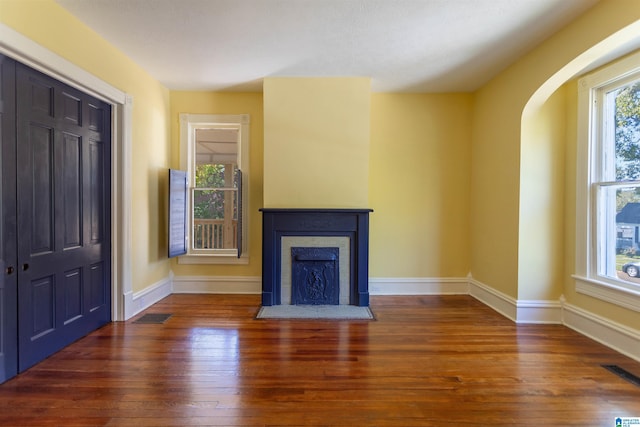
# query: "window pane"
214, 198
214, 223
216, 156
627, 131
620, 231
618, 210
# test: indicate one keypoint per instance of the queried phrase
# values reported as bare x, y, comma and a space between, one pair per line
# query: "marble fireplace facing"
315, 257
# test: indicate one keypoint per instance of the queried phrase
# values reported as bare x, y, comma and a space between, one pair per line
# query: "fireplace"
315, 257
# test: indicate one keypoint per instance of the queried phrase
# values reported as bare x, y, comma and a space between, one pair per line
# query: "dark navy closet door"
8, 241
63, 214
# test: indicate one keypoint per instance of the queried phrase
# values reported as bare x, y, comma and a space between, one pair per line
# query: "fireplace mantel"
279, 222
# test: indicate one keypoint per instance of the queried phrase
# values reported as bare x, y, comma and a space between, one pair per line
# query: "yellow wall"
49, 25
419, 185
227, 103
509, 112
541, 239
316, 142
495, 192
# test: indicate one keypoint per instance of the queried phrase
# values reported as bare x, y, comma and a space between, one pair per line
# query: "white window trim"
587, 280
188, 123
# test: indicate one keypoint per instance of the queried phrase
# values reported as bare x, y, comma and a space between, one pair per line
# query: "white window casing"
188, 125
594, 181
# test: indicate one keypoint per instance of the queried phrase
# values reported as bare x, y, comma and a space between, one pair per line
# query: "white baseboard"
128, 303
500, 302
147, 297
614, 335
520, 311
377, 286
418, 286
539, 311
217, 285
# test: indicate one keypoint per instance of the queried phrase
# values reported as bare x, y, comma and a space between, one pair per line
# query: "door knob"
25, 267
9, 270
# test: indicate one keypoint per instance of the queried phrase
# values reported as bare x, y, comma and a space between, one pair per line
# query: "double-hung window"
214, 153
608, 196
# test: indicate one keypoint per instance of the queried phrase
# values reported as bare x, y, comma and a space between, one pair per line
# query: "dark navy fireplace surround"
352, 223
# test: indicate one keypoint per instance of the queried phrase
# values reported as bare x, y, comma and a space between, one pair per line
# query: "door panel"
96, 194
72, 287
8, 258
40, 190
43, 307
72, 190
63, 186
97, 296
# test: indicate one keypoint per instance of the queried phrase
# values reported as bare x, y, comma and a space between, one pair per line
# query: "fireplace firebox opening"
315, 277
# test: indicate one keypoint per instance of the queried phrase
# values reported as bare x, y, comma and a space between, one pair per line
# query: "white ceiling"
403, 45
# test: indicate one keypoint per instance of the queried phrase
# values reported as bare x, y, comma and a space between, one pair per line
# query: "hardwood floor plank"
424, 361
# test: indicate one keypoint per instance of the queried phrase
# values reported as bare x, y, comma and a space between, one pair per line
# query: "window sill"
213, 259
609, 292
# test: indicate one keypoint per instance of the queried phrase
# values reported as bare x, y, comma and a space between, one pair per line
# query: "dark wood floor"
425, 361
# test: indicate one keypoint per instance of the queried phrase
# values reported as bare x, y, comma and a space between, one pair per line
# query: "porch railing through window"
214, 234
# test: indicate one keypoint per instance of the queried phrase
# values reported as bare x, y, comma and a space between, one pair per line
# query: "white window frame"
591, 89
188, 125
